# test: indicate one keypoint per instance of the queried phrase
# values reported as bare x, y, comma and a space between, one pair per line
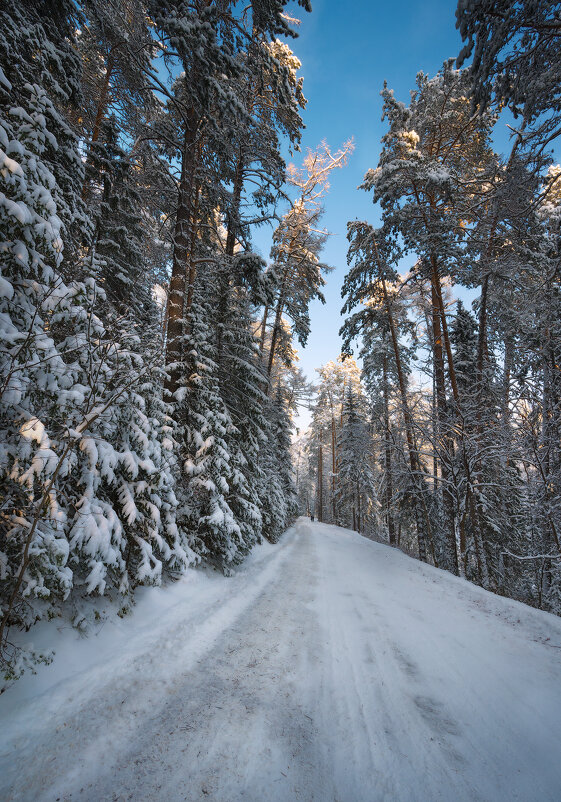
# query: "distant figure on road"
312, 517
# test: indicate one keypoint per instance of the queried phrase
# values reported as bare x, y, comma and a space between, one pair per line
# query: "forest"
447, 441
149, 375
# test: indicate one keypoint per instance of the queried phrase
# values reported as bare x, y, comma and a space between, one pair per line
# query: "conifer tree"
515, 48
298, 242
356, 489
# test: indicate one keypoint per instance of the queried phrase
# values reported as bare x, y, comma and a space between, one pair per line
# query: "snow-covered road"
329, 668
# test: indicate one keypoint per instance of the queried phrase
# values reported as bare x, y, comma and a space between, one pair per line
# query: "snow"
328, 667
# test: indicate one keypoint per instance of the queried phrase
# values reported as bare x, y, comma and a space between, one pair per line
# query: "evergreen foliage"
137, 435
468, 453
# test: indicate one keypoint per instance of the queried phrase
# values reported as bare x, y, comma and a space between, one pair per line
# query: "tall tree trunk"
547, 437
358, 511
192, 267
234, 216
388, 456
447, 445
276, 328
181, 262
441, 311
100, 113
438, 301
435, 434
320, 481
485, 278
333, 466
421, 512
103, 102
232, 230
263, 331
482, 353
508, 362
476, 512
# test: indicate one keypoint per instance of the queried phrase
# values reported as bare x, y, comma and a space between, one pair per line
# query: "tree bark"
320, 481
195, 205
421, 515
333, 467
232, 230
103, 97
263, 331
447, 446
100, 113
276, 330
181, 261
234, 216
388, 456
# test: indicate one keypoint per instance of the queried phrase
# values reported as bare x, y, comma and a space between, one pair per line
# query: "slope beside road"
329, 668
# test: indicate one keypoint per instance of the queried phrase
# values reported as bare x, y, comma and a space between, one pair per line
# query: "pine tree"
357, 496
515, 48
298, 242
279, 493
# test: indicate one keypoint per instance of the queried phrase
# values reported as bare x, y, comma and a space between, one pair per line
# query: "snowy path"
330, 668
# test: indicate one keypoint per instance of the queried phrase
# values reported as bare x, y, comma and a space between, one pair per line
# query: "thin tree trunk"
180, 258
483, 301
263, 331
225, 282
101, 111
234, 216
435, 434
388, 456
480, 371
437, 297
358, 511
422, 518
192, 271
476, 512
103, 102
320, 481
509, 358
447, 446
333, 467
481, 557
276, 330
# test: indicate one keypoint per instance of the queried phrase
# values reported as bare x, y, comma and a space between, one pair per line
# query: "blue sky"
347, 51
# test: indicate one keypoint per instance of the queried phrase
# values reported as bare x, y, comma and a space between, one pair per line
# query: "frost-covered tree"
139, 144
209, 108
382, 316
35, 382
334, 377
115, 49
482, 437
89, 500
298, 241
356, 487
516, 49
280, 502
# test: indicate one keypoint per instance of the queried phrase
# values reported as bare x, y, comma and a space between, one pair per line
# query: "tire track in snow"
332, 670
93, 716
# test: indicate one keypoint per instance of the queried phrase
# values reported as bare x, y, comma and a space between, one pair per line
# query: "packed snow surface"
329, 668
